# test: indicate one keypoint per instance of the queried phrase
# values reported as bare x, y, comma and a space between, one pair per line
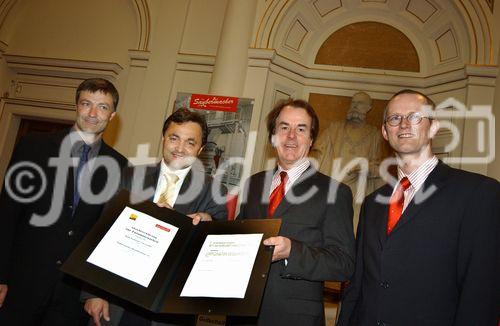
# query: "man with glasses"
427, 247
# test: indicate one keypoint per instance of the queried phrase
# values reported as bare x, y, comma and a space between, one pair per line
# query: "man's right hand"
3, 293
97, 308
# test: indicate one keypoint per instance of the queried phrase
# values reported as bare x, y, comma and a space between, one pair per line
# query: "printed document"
223, 266
134, 246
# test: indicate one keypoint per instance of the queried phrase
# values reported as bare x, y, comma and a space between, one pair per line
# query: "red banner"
214, 102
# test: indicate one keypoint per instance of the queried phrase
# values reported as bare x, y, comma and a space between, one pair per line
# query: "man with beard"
180, 183
40, 231
348, 140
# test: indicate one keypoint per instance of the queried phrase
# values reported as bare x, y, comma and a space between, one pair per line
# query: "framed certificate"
155, 258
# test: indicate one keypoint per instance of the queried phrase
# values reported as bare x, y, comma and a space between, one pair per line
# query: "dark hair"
94, 85
183, 115
297, 104
428, 101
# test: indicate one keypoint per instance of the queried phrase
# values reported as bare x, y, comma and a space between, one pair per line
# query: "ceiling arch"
144, 24
10, 9
446, 34
390, 49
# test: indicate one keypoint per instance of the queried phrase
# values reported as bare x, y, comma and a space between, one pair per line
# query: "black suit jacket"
321, 232
439, 266
30, 256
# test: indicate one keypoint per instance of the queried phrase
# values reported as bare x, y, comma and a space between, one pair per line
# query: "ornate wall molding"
141, 7
3, 47
144, 24
61, 67
330, 77
5, 8
139, 58
297, 28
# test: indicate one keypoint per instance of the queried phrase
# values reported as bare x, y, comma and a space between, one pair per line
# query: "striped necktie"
167, 196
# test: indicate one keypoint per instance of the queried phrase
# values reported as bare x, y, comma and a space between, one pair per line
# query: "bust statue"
351, 141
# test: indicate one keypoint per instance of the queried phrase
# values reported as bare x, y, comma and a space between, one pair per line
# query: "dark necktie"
396, 204
84, 156
277, 194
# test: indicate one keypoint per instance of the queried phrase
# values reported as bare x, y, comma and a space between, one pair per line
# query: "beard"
355, 116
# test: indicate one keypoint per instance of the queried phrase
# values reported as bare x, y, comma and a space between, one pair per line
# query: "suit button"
70, 207
70, 233
59, 262
384, 285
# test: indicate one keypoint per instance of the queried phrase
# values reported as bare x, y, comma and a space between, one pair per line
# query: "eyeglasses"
413, 118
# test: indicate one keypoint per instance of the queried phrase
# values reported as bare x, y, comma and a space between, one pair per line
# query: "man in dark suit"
178, 182
316, 240
437, 262
45, 210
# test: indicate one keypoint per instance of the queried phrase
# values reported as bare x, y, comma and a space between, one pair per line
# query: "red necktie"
277, 194
396, 204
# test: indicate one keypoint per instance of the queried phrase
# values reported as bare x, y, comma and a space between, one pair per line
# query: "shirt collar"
77, 143
296, 171
181, 173
419, 175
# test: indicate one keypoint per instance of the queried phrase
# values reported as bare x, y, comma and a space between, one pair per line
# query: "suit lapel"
431, 186
382, 212
184, 207
59, 140
263, 183
151, 179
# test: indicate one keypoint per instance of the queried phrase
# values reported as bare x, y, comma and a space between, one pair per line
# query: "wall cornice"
40, 104
59, 67
139, 58
324, 76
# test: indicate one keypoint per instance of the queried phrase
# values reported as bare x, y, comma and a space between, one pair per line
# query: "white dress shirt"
417, 178
161, 186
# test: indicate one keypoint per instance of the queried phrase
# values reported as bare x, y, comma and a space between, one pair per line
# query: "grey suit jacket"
316, 215
196, 195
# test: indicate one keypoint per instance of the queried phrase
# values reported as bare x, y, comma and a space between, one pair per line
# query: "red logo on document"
162, 227
214, 102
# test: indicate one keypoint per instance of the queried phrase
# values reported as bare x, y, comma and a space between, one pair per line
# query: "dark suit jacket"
321, 232
30, 256
194, 196
439, 266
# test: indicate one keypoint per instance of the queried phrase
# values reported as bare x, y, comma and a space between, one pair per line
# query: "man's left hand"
282, 247
200, 216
